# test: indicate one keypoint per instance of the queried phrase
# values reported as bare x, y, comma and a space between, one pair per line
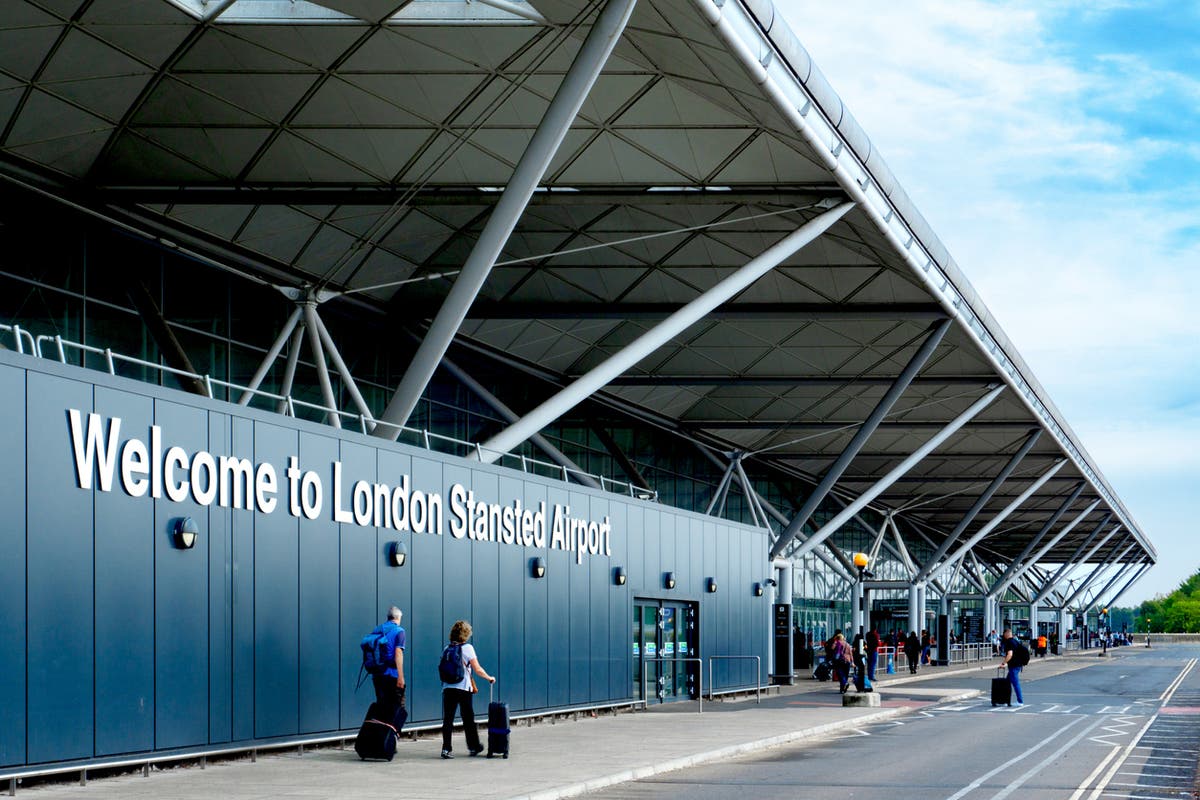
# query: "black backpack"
1020, 655
451, 668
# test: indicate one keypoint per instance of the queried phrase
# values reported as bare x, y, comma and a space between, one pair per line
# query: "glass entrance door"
665, 629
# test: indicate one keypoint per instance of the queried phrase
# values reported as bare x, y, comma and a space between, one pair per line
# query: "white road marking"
1012, 787
1112, 771
1115, 709
975, 784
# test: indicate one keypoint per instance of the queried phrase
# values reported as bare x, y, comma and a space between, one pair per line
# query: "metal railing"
419, 437
712, 686
19, 337
699, 677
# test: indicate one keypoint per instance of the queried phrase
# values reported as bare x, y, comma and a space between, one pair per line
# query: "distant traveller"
912, 651
389, 684
842, 659
872, 653
1016, 656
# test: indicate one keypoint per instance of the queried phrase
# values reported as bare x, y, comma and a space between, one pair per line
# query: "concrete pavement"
550, 760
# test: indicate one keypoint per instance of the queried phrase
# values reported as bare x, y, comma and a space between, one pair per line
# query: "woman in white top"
459, 695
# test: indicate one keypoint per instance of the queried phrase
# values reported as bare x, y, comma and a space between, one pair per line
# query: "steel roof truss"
980, 502
1112, 600
995, 521
936, 333
656, 337
1015, 567
1115, 556
585, 68
1072, 562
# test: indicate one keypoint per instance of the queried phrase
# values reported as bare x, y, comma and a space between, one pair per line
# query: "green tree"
1177, 612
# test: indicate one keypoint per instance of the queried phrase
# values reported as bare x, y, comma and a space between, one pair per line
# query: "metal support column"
995, 521
1095, 573
340, 365
584, 386
1113, 600
936, 333
916, 614
1070, 562
980, 502
898, 472
508, 415
289, 370
718, 498
314, 344
584, 70
270, 357
1016, 568
1015, 565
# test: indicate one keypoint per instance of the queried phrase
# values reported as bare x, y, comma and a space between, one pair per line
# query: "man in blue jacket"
389, 684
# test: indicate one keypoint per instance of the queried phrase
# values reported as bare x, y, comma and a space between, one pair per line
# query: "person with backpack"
843, 658
1016, 656
912, 651
383, 658
454, 669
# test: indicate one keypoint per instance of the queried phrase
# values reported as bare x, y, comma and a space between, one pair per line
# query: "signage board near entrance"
781, 627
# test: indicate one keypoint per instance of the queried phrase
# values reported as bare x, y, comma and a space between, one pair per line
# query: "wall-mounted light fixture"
758, 590
537, 567
619, 577
711, 584
397, 554
669, 580
185, 533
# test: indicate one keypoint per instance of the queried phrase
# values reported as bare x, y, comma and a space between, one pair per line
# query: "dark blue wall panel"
60, 573
125, 606
394, 583
359, 611
242, 635
423, 621
485, 584
558, 584
276, 593
220, 599
320, 645
580, 602
12, 566
537, 653
510, 608
180, 597
620, 609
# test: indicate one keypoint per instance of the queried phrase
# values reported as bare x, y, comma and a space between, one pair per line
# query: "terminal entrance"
665, 629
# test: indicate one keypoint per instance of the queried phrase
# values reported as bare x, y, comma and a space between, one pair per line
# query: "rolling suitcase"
377, 736
1001, 688
823, 672
498, 728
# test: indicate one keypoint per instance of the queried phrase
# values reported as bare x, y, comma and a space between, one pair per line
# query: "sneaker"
447, 754
473, 753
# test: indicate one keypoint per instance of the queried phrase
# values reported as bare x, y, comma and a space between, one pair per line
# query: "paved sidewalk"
550, 760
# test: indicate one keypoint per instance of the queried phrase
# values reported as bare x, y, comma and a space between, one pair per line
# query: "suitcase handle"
1001, 671
491, 687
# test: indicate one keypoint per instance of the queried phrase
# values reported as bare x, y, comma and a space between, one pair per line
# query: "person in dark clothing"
842, 659
1009, 646
872, 653
389, 684
925, 643
862, 681
912, 651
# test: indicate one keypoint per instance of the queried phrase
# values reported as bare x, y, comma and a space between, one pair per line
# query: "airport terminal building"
599, 324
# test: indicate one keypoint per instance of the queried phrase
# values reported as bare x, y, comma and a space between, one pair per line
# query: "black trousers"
387, 693
457, 699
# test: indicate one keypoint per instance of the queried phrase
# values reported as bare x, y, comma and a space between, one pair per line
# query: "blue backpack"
377, 653
451, 668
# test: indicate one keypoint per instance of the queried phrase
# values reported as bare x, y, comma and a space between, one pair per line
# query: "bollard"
891, 667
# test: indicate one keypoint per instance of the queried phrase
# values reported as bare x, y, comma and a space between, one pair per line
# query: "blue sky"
1055, 148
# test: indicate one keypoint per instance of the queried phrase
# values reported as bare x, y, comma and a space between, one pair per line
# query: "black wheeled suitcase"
1001, 689
823, 671
498, 727
377, 736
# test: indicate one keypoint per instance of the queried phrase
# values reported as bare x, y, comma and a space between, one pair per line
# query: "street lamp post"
860, 562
